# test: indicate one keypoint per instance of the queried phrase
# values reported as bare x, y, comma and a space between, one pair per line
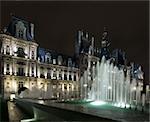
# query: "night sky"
56, 24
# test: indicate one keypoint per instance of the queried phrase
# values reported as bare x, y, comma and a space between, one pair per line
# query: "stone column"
35, 70
67, 75
57, 74
45, 73
15, 68
52, 74
10, 67
38, 71
26, 69
4, 49
63, 75
72, 76
77, 76
30, 69
67, 90
10, 49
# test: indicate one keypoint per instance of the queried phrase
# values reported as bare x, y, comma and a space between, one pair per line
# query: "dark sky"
56, 24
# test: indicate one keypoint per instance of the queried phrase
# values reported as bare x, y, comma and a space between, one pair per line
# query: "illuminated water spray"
111, 85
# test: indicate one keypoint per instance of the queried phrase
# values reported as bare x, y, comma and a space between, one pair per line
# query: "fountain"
111, 85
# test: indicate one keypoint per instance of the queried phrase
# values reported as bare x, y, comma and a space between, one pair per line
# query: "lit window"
54, 61
20, 84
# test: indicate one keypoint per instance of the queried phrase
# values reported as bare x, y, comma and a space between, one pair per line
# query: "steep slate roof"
11, 29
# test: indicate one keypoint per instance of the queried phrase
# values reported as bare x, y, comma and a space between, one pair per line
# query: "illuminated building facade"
25, 65
48, 74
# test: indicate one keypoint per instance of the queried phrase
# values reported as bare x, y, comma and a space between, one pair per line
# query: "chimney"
32, 30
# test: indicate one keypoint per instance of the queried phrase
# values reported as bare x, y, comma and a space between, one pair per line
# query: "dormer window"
20, 34
48, 58
69, 62
60, 60
20, 30
54, 61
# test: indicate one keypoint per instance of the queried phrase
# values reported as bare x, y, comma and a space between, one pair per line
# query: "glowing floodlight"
97, 103
134, 88
41, 101
85, 85
12, 96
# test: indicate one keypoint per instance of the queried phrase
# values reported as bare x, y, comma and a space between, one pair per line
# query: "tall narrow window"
21, 71
48, 61
42, 72
48, 73
74, 77
7, 50
32, 55
20, 84
32, 71
7, 69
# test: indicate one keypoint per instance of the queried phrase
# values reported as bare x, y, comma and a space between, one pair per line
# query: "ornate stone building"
44, 73
24, 65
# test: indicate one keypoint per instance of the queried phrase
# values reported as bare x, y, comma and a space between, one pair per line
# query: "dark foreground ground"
41, 112
3, 110
28, 110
